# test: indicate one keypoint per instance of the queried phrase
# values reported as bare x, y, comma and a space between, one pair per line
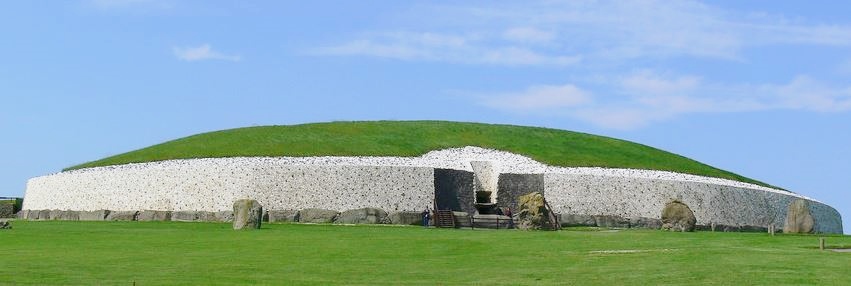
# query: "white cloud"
529, 35
644, 97
200, 53
607, 31
542, 97
467, 49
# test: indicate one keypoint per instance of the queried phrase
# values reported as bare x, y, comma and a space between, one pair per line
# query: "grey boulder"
94, 215
152, 215
361, 216
798, 217
677, 216
122, 215
247, 214
317, 215
283, 215
405, 218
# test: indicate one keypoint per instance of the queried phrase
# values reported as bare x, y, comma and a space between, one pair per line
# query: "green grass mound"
414, 138
174, 253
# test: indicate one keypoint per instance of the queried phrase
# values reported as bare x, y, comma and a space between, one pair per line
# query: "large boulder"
247, 214
283, 215
152, 215
798, 218
533, 212
677, 216
4, 224
317, 215
362, 216
405, 218
122, 215
7, 210
94, 215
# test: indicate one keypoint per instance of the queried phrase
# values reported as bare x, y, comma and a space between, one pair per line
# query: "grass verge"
169, 253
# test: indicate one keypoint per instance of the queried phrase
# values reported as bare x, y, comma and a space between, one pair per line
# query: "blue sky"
761, 88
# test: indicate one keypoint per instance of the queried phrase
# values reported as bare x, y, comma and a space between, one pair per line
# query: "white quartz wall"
213, 185
646, 197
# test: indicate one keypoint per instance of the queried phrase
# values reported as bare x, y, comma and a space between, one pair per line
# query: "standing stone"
247, 214
798, 217
533, 212
677, 216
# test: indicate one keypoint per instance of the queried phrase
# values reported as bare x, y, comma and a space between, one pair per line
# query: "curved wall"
711, 203
409, 184
216, 184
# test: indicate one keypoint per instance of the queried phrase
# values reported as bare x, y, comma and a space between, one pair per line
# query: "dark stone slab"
122, 215
152, 215
611, 221
512, 186
282, 215
577, 220
97, 215
317, 215
184, 216
361, 216
453, 190
405, 218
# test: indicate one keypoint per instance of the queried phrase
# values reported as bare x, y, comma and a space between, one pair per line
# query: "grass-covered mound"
414, 138
174, 253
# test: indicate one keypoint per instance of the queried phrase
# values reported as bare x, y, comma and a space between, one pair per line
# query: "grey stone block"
798, 218
152, 215
405, 218
69, 215
23, 214
317, 215
611, 221
224, 216
283, 216
97, 215
462, 219
208, 216
44, 215
362, 216
55, 214
643, 222
247, 214
184, 216
122, 215
577, 220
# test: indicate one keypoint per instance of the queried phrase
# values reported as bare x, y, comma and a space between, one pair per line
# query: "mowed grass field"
173, 253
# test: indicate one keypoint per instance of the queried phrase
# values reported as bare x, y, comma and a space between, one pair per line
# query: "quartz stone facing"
205, 189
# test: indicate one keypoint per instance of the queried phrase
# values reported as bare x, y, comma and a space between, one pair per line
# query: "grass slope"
414, 138
173, 253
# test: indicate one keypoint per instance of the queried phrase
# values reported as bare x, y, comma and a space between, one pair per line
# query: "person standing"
510, 218
426, 216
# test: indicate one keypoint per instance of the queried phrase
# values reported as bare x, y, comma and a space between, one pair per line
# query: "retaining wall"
712, 204
214, 187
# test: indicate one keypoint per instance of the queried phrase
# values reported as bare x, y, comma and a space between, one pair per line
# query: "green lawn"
158, 253
414, 138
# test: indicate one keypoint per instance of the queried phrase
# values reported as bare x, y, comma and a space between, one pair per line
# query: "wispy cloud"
562, 32
538, 98
471, 49
203, 52
643, 97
